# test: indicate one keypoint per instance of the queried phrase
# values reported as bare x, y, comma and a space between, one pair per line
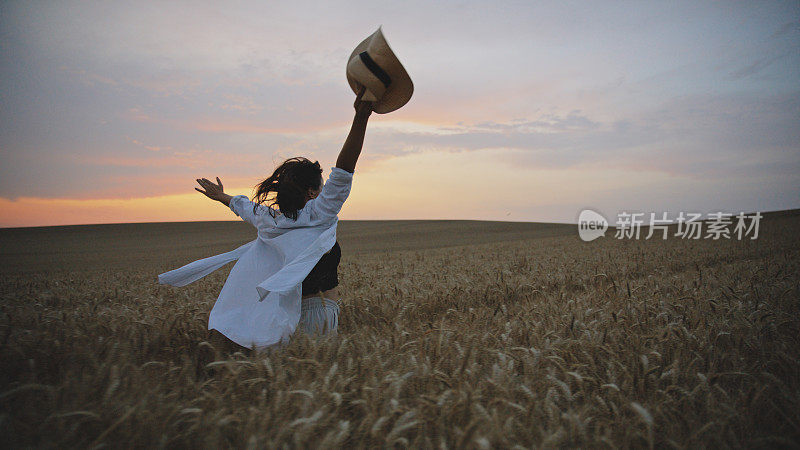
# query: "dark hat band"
375, 69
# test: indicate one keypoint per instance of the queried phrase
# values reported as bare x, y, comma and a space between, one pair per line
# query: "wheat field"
452, 335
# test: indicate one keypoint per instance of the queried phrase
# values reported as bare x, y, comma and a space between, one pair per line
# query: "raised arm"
355, 140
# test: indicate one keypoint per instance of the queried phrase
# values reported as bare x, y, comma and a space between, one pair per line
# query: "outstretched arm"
355, 140
214, 191
239, 204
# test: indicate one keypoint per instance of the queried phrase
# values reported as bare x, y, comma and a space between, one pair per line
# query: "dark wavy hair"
289, 185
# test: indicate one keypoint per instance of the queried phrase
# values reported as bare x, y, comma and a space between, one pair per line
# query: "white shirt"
259, 305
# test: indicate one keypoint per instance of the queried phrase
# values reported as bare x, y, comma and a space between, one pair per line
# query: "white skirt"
319, 316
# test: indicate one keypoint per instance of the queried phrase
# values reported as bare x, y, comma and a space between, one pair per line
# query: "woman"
285, 279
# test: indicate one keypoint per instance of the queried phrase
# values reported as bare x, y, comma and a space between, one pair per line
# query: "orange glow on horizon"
31, 211
435, 185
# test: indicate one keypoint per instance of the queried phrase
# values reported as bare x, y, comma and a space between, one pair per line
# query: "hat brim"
399, 91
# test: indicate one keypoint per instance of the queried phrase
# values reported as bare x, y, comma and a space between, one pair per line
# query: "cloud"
786, 28
701, 135
757, 66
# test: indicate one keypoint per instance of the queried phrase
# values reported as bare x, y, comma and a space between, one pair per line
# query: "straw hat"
374, 65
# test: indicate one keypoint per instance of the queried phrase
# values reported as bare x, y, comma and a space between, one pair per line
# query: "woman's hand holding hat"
363, 108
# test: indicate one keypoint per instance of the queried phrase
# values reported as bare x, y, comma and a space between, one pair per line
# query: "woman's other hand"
214, 191
363, 108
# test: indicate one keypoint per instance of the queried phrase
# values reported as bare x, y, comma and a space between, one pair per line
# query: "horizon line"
771, 212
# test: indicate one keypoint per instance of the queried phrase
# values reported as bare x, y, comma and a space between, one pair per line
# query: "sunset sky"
523, 111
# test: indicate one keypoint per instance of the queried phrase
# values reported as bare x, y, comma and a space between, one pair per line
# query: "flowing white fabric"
260, 303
